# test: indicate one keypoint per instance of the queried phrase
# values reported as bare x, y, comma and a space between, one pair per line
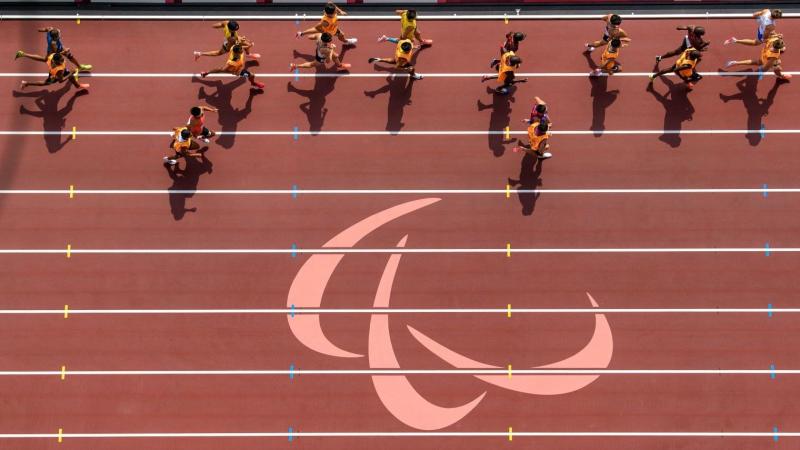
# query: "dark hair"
326, 37
541, 108
196, 111
411, 14
515, 60
58, 58
237, 48
185, 134
54, 33
694, 54
777, 13
519, 36
543, 126
778, 44
330, 8
616, 43
406, 46
699, 31
233, 25
615, 19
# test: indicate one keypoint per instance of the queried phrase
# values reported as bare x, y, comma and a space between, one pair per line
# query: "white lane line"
300, 311
421, 434
388, 17
393, 191
296, 372
399, 133
381, 75
405, 250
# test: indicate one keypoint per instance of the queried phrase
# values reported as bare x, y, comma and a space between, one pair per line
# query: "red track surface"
347, 402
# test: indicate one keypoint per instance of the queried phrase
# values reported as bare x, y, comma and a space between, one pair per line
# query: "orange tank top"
237, 64
768, 52
53, 71
399, 53
332, 23
505, 66
608, 55
684, 60
178, 145
536, 140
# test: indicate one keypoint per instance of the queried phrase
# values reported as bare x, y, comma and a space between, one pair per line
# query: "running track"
347, 403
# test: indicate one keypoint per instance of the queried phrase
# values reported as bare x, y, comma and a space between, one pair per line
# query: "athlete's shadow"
530, 178
499, 119
677, 109
602, 98
186, 179
756, 107
314, 108
400, 87
228, 116
54, 119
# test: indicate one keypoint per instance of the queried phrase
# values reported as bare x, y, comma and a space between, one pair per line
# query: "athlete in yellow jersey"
408, 28
609, 62
183, 144
329, 23
539, 140
684, 68
57, 72
770, 57
404, 52
235, 65
231, 30
506, 73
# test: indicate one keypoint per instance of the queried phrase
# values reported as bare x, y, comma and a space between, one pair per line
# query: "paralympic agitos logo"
396, 392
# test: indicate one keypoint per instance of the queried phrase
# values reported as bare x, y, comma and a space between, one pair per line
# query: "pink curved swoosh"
395, 391
311, 280
595, 355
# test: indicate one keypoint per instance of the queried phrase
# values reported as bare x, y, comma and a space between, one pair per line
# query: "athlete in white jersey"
766, 26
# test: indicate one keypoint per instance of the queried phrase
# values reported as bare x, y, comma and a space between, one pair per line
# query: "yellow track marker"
507, 133
509, 310
66, 311
63, 372
510, 434
71, 191
505, 18
69, 251
78, 19
508, 250
75, 129
509, 371
60, 435
508, 191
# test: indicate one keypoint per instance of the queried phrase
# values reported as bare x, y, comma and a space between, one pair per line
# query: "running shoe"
197, 55
652, 77
658, 58
292, 67
730, 63
345, 66
85, 67
485, 78
730, 40
298, 34
258, 84
351, 41
383, 38
416, 76
171, 162
589, 48
84, 86
203, 74
19, 54
372, 60
427, 42
206, 140
545, 155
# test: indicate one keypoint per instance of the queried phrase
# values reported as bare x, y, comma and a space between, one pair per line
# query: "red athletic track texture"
348, 402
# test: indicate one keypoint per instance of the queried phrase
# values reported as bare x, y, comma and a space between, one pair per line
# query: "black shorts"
205, 132
319, 58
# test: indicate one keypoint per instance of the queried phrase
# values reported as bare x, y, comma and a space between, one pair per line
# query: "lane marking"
71, 191
770, 310
360, 17
297, 372
510, 435
291, 311
766, 190
509, 371
294, 251
295, 191
60, 435
775, 433
508, 250
290, 434
295, 133
766, 249
63, 372
762, 131
69, 251
507, 132
66, 311
772, 373
291, 371
74, 133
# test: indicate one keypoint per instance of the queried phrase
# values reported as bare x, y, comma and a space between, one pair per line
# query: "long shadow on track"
677, 109
314, 108
530, 178
229, 117
757, 108
400, 89
186, 179
499, 119
54, 119
602, 98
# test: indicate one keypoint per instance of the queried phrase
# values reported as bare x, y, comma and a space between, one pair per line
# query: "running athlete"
329, 23
608, 62
183, 144
506, 76
235, 66
685, 68
231, 30
539, 140
693, 39
611, 30
324, 54
57, 72
511, 44
54, 45
402, 58
197, 121
770, 58
539, 113
766, 26
408, 28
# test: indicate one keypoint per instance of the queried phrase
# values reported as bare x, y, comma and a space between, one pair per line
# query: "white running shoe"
196, 55
545, 155
171, 162
730, 40
416, 76
589, 48
383, 38
206, 140
730, 63
352, 41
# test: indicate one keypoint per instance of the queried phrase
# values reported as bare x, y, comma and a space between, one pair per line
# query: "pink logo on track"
396, 392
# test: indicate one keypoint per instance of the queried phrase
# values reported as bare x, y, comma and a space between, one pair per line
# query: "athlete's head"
196, 111
237, 50
542, 128
57, 59
541, 108
233, 25
777, 13
699, 31
515, 60
616, 43
519, 36
330, 8
185, 134
406, 46
694, 55
778, 45
615, 20
55, 33
411, 14
326, 37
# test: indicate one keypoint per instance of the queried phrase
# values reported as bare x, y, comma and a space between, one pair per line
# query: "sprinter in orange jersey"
236, 66
609, 62
408, 28
506, 73
685, 68
183, 144
539, 140
404, 51
770, 57
57, 72
329, 23
231, 30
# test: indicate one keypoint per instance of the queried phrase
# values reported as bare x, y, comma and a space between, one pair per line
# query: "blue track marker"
294, 250
290, 434
294, 190
766, 249
765, 192
296, 74
291, 312
296, 133
297, 20
772, 373
775, 433
769, 310
291, 371
760, 74
763, 131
